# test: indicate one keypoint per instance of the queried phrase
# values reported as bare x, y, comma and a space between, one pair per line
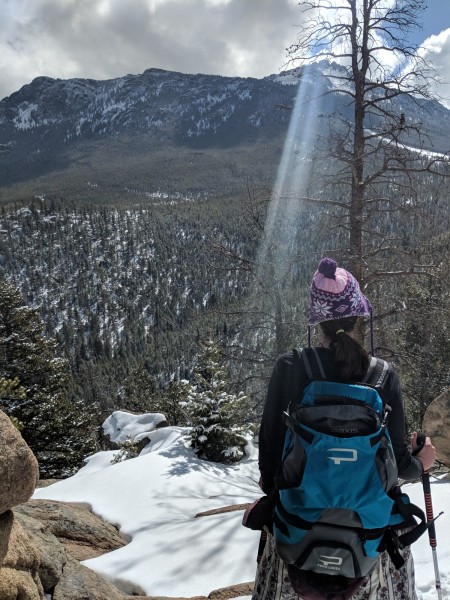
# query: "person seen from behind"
337, 305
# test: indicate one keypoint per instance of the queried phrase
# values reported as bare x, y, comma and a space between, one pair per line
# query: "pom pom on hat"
327, 267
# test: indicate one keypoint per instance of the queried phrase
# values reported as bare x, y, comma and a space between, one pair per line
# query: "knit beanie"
335, 294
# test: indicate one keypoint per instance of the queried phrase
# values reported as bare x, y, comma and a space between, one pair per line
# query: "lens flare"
284, 215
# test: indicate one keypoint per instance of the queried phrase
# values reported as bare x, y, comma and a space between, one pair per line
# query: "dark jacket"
287, 383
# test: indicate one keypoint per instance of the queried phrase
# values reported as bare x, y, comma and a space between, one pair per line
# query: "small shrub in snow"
215, 415
127, 449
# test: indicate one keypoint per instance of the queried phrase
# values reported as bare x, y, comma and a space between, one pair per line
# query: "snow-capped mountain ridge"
51, 124
148, 102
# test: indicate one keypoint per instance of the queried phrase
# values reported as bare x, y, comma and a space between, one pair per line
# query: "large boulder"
79, 583
83, 534
51, 554
436, 424
124, 426
57, 529
19, 556
19, 470
40, 538
19, 562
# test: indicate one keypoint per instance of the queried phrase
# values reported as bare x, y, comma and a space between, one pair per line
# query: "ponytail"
350, 357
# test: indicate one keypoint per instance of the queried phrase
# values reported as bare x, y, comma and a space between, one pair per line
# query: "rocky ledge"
43, 541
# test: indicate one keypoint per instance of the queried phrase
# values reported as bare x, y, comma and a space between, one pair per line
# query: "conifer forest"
128, 293
132, 248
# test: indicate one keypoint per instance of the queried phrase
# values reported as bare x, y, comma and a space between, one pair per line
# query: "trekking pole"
430, 518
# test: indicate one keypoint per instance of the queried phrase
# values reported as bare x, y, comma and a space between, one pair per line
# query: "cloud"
436, 50
103, 39
109, 38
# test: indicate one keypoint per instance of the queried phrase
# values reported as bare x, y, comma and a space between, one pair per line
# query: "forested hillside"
156, 241
134, 288
124, 286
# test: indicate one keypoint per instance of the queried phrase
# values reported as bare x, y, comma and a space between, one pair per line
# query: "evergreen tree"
216, 416
55, 429
172, 402
10, 389
139, 392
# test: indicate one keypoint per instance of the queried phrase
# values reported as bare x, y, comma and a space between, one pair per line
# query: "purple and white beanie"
335, 294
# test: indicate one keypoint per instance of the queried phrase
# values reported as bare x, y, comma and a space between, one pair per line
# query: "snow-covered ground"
153, 500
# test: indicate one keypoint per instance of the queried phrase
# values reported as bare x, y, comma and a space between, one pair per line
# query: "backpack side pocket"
386, 464
294, 462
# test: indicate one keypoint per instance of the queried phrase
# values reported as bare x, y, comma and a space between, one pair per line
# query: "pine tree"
10, 389
139, 392
172, 402
55, 429
216, 416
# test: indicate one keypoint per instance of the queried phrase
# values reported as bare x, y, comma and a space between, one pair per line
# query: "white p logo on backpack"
350, 455
330, 562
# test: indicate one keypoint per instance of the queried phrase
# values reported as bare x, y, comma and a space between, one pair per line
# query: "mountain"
165, 131
148, 130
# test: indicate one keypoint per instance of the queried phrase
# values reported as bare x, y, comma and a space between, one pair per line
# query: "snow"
122, 426
24, 118
153, 500
288, 79
422, 152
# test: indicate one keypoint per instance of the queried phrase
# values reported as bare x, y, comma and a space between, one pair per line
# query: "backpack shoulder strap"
377, 373
312, 363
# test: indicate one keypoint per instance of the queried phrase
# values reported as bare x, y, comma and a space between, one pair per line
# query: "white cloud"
436, 50
103, 39
110, 38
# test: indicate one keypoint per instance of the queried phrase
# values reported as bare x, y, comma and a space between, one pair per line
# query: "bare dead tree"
379, 150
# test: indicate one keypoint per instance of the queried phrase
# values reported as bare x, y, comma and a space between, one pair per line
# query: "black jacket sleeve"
272, 432
409, 467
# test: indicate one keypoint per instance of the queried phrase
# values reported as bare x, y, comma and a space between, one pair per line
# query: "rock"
19, 470
83, 534
59, 529
51, 554
19, 562
233, 591
80, 583
171, 598
121, 424
46, 482
436, 424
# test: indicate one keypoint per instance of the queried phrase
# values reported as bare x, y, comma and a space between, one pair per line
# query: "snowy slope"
154, 498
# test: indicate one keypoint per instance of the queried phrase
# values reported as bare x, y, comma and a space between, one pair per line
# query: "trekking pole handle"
420, 441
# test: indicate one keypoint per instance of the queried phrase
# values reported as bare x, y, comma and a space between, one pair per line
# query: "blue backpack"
338, 501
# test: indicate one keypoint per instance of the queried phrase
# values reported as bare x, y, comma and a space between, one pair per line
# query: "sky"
154, 498
103, 39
